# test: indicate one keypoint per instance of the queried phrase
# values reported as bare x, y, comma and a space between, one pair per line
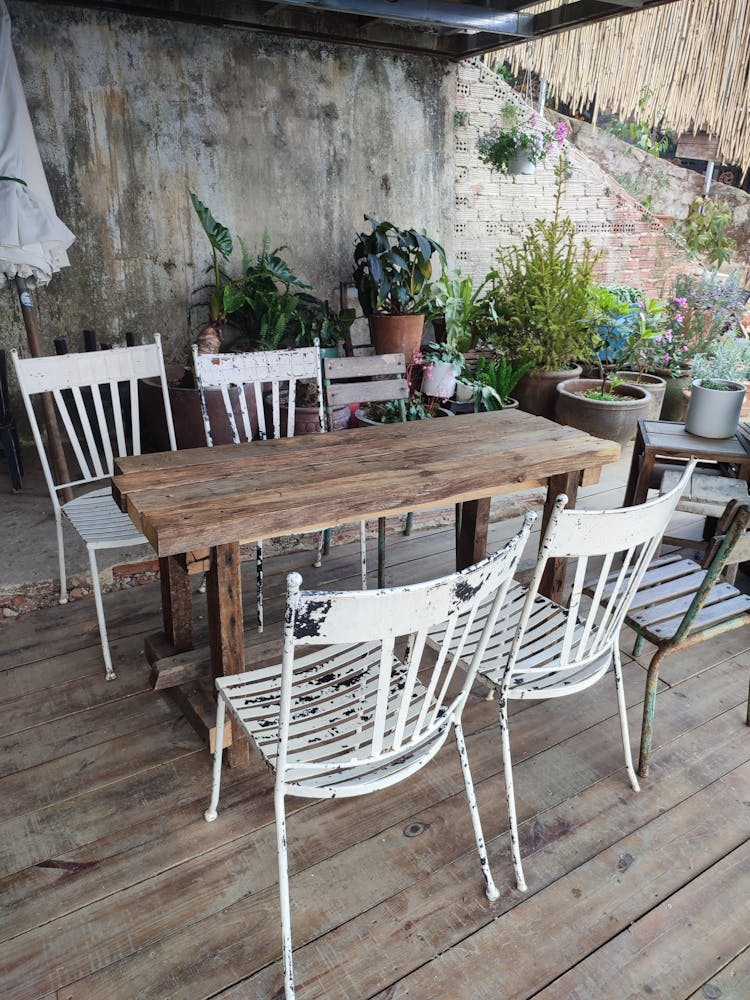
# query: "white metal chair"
279, 371
100, 414
379, 378
540, 649
352, 716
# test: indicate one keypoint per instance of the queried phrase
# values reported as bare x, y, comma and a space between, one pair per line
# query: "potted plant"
700, 310
540, 295
493, 383
714, 408
514, 147
729, 360
392, 269
629, 351
457, 310
442, 365
318, 320
604, 407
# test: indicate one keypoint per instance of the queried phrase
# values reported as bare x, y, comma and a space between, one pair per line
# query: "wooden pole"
57, 456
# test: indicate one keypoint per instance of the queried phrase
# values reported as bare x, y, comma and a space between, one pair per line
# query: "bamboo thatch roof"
693, 55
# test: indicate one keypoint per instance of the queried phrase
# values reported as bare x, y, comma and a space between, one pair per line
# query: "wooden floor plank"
730, 983
703, 924
588, 906
351, 869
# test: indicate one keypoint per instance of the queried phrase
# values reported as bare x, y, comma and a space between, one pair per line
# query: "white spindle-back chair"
354, 715
270, 374
96, 398
540, 649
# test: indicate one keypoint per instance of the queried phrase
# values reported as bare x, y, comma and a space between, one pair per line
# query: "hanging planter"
521, 164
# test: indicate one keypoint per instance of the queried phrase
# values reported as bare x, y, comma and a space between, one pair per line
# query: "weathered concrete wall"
299, 137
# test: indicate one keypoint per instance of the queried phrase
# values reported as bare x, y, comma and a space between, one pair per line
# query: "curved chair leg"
363, 552
327, 541
624, 719
210, 814
381, 552
108, 670
638, 645
490, 889
259, 582
649, 706
286, 917
509, 794
61, 558
409, 523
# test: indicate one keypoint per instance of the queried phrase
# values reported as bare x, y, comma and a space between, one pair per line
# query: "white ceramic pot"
439, 380
714, 413
521, 164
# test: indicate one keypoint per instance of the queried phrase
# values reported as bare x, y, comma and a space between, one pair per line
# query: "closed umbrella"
33, 241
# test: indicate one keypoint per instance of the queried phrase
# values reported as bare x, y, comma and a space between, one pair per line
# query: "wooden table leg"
471, 539
635, 468
225, 628
553, 579
176, 603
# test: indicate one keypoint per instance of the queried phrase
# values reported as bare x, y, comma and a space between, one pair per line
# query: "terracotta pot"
401, 334
653, 384
306, 419
186, 413
537, 393
609, 419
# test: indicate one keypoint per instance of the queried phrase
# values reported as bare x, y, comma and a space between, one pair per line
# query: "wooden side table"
669, 440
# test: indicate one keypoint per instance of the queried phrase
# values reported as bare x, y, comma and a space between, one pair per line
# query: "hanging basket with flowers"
516, 148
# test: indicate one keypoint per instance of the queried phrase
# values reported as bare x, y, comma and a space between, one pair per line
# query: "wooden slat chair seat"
680, 602
541, 649
96, 396
274, 373
379, 378
344, 714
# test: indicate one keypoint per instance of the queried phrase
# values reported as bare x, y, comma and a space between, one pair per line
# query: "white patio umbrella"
33, 240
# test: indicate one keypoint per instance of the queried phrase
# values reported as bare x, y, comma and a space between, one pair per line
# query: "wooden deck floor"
113, 886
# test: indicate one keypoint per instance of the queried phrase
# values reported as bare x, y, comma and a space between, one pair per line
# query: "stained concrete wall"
299, 137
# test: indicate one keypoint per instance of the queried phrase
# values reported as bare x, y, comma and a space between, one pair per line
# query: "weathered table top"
211, 496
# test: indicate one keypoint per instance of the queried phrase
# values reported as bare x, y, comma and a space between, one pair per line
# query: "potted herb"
728, 360
494, 381
392, 270
443, 364
541, 295
714, 408
512, 147
645, 325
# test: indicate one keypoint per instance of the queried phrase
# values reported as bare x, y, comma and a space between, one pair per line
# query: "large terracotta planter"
364, 421
306, 419
536, 393
609, 419
400, 334
653, 384
186, 413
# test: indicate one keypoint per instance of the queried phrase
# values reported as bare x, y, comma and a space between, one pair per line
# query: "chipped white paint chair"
100, 415
344, 714
540, 649
277, 371
380, 378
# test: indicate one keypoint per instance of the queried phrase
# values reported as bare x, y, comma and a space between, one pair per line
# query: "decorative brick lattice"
494, 211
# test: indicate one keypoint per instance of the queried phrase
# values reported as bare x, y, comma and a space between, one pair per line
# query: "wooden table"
215, 497
667, 439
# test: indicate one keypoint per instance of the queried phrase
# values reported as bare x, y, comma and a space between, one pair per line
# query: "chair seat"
335, 689
666, 592
705, 494
537, 672
100, 522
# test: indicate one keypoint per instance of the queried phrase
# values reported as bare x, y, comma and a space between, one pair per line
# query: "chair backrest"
97, 401
260, 370
731, 543
625, 540
385, 715
377, 378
